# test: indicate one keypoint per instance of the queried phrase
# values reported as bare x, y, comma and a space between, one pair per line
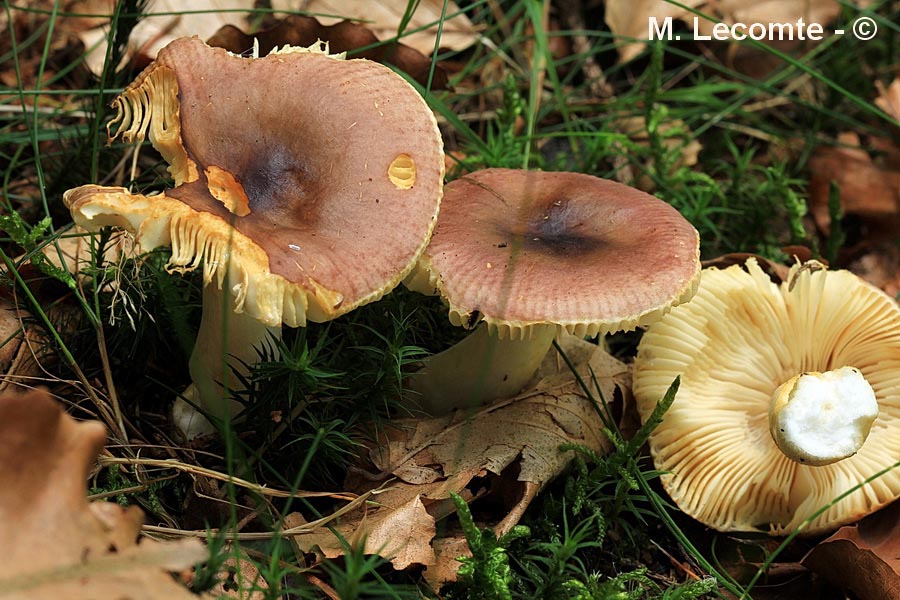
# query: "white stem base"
188, 420
821, 418
226, 342
479, 369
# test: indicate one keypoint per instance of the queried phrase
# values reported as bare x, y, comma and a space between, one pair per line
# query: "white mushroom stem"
821, 418
480, 368
226, 342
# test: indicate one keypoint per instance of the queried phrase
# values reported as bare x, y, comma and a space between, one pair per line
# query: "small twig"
323, 587
165, 447
135, 489
750, 131
515, 515
265, 535
45, 110
503, 22
110, 384
197, 470
298, 408
774, 102
572, 12
781, 99
248, 518
117, 174
686, 568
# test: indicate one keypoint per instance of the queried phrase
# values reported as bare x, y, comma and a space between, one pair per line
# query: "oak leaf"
57, 544
402, 532
508, 449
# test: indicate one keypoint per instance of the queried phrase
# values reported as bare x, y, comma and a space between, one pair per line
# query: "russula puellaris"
774, 417
529, 253
306, 186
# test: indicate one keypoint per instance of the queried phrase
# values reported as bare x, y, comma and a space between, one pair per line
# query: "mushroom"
789, 397
306, 186
530, 253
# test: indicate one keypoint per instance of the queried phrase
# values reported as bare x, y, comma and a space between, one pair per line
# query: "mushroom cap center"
559, 229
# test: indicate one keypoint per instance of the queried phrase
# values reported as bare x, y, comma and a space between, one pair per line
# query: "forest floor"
785, 150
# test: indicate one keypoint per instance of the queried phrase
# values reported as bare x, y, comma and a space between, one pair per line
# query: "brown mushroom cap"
518, 248
734, 344
330, 172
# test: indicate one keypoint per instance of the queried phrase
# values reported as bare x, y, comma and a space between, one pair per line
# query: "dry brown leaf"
631, 18
528, 429
770, 11
446, 566
888, 99
345, 36
74, 254
741, 558
24, 347
25, 35
383, 18
869, 190
402, 532
509, 448
863, 558
239, 579
56, 544
869, 182
880, 266
153, 32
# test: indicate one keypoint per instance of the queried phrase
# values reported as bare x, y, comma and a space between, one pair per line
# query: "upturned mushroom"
528, 254
305, 186
789, 397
